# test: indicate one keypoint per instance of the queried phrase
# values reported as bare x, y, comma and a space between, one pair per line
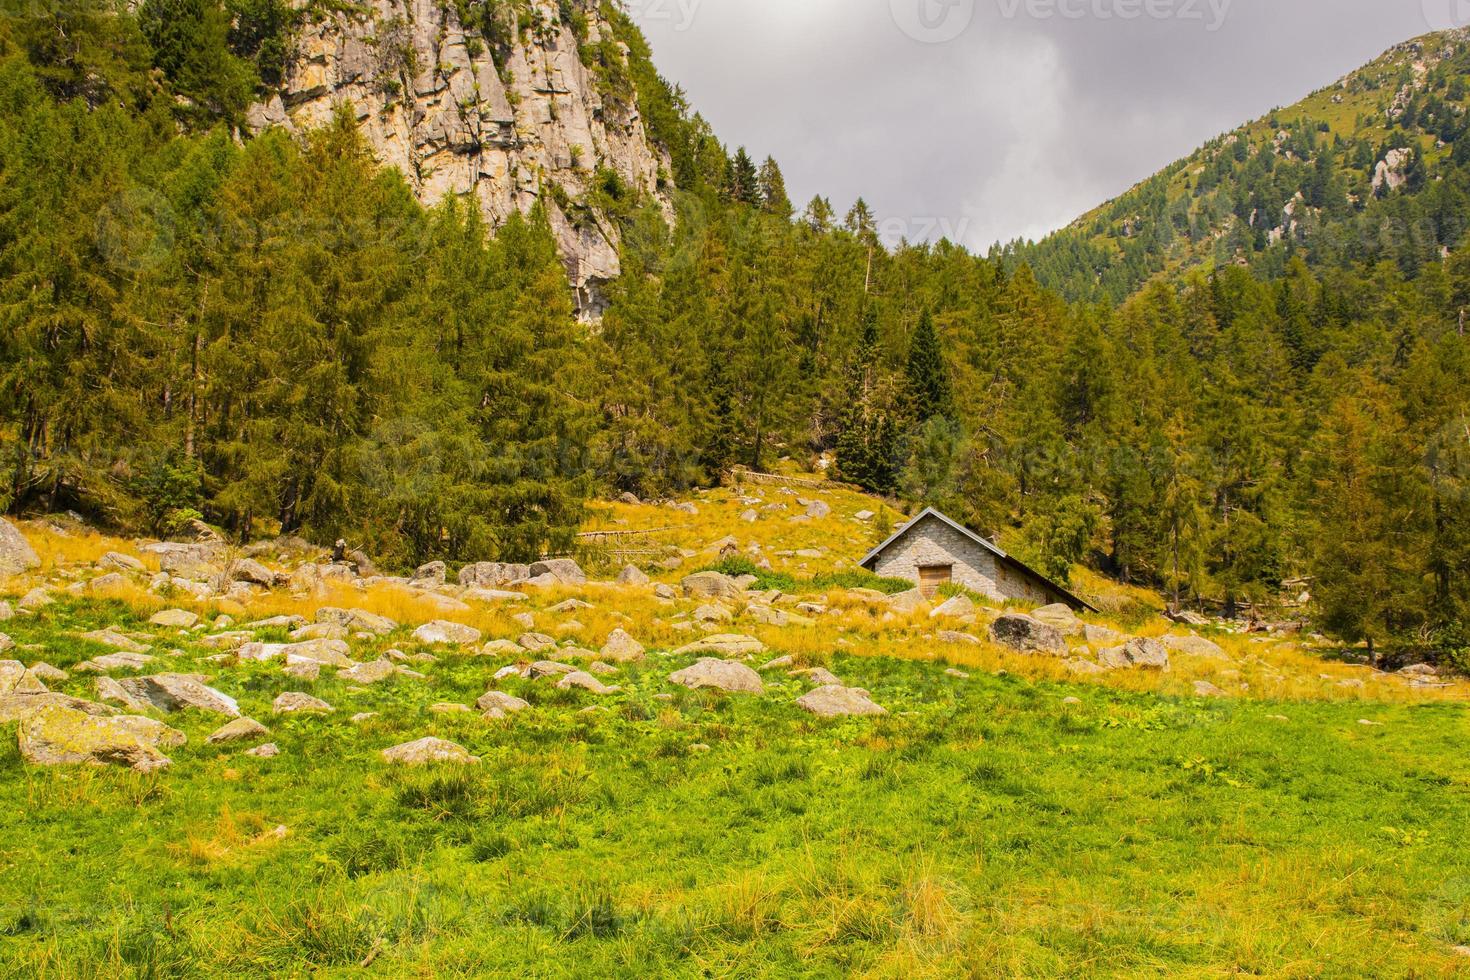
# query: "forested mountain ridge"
274, 333
1370, 168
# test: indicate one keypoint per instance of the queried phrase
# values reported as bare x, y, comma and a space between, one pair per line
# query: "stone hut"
932, 550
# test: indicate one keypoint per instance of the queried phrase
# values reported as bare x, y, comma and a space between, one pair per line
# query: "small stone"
444, 633
536, 642
368, 673
957, 674
584, 681
1205, 689
294, 702
429, 751
498, 704
834, 701
239, 730
779, 663
721, 675
363, 716
175, 619
267, 751
820, 677
449, 709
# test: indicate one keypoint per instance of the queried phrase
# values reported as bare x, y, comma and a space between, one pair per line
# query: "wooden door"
931, 577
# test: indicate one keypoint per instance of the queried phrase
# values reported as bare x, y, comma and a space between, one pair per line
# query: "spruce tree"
774, 200
928, 375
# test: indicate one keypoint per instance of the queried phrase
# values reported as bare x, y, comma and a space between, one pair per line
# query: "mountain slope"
1365, 170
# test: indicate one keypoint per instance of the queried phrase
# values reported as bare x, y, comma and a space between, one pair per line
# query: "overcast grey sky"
991, 119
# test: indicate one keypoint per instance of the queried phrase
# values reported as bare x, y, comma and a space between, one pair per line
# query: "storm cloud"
988, 120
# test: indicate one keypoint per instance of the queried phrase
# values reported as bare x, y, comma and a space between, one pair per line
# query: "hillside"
1362, 171
1007, 811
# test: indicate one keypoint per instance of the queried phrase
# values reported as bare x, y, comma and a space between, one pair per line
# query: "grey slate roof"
1016, 563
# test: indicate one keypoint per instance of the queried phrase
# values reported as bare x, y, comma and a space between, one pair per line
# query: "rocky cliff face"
507, 123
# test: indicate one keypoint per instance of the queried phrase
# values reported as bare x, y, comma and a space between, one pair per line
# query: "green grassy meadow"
985, 827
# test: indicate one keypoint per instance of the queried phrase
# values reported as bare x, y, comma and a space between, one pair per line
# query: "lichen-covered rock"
1195, 646
358, 620
957, 607
327, 653
1138, 653
582, 680
19, 707
820, 677
834, 700
175, 619
498, 704
493, 575
56, 736
429, 751
239, 730
1061, 618
711, 585
564, 570
112, 638
296, 703
16, 554
632, 575
444, 633
621, 648
720, 675
723, 645
1027, 635
908, 602
175, 692
369, 673
536, 642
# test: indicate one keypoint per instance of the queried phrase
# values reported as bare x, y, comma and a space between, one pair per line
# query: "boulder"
320, 631
119, 562
907, 602
357, 620
1196, 646
712, 612
250, 571
956, 638
112, 692
1137, 653
501, 648
16, 554
113, 661
432, 574
721, 675
536, 642
563, 570
1084, 668
429, 751
493, 574
632, 575
328, 653
19, 707
711, 585
779, 663
583, 681
175, 619
49, 674
1060, 618
6, 612
368, 673
302, 670
11, 672
820, 677
112, 638
239, 730
56, 735
1027, 635
1205, 689
35, 599
493, 596
443, 633
267, 751
568, 606
629, 498
818, 509
278, 622
294, 702
1101, 636
723, 645
498, 704
766, 615
621, 648
956, 608
834, 700
175, 692
546, 668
